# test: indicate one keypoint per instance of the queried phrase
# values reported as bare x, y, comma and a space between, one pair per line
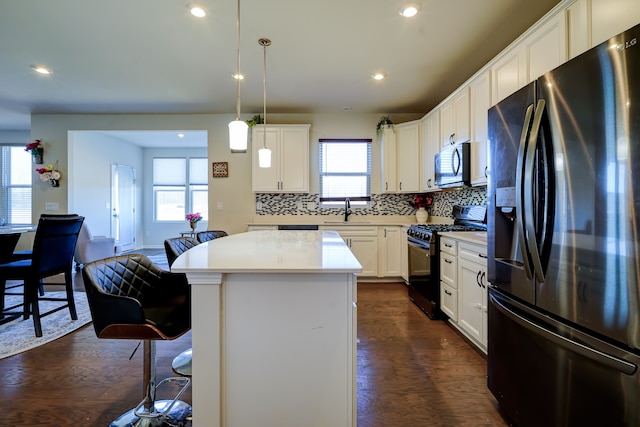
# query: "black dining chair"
53, 247
132, 298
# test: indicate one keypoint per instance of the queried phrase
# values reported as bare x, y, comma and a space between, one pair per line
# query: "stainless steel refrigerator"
564, 243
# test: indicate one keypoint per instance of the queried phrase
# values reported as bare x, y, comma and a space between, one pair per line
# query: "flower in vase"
194, 217
421, 201
47, 173
32, 146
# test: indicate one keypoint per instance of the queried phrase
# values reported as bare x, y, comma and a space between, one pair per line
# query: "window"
345, 171
180, 187
15, 184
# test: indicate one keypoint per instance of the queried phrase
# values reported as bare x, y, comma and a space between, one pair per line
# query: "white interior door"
123, 197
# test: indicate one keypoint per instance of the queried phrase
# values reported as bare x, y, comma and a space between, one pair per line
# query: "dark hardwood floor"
412, 371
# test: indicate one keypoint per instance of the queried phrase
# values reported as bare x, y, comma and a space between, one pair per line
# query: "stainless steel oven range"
424, 256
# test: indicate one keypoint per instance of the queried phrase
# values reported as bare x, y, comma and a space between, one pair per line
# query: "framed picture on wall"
220, 169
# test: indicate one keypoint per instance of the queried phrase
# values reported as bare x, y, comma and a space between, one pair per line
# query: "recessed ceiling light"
379, 76
181, 135
197, 10
409, 10
237, 76
40, 69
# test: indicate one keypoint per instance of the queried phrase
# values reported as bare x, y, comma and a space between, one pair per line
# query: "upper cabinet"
592, 22
454, 119
480, 96
289, 171
540, 51
430, 145
408, 157
388, 160
400, 158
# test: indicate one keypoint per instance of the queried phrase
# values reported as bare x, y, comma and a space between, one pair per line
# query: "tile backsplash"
381, 204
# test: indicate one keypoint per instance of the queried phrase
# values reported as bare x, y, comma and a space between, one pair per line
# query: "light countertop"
271, 251
478, 237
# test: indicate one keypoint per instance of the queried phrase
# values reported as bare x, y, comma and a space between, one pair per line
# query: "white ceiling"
151, 56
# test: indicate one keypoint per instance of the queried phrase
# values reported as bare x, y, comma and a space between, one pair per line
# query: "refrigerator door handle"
528, 188
620, 365
519, 192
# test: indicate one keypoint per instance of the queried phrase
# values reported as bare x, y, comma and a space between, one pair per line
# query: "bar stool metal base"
178, 416
182, 363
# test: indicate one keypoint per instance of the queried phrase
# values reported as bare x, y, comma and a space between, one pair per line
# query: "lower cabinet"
390, 253
463, 288
363, 242
381, 250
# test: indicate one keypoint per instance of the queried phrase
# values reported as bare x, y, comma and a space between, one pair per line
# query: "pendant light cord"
238, 56
264, 43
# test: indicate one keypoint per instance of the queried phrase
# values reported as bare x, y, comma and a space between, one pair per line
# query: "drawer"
449, 301
449, 269
352, 230
473, 253
449, 245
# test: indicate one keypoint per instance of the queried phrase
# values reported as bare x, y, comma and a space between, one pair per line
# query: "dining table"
9, 236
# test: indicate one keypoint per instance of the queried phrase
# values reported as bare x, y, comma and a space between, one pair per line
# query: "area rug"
18, 335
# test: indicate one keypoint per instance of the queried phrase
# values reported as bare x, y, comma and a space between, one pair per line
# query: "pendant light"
238, 129
264, 154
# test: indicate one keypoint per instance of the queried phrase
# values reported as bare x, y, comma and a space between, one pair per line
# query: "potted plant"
255, 120
384, 121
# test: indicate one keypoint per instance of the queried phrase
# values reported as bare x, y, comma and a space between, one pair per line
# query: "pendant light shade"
238, 129
264, 154
264, 158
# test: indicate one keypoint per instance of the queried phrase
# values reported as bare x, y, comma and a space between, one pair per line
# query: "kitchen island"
273, 329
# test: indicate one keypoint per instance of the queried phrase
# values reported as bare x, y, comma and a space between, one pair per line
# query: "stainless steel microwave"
452, 166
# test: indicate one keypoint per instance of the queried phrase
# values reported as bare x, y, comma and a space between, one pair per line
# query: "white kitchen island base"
274, 348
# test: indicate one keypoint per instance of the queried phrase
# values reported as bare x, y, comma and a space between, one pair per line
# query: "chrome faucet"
347, 209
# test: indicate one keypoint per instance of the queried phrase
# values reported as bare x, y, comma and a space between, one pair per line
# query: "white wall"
91, 155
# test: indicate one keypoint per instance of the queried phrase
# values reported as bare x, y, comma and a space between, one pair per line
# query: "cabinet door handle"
401, 186
446, 245
429, 183
482, 256
386, 186
448, 261
482, 280
447, 292
485, 172
478, 279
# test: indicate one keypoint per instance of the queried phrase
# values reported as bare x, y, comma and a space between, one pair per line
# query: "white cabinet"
388, 160
448, 277
400, 158
592, 22
546, 47
611, 18
430, 145
404, 254
472, 292
363, 242
408, 157
289, 171
480, 97
454, 119
390, 259
540, 51
508, 74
